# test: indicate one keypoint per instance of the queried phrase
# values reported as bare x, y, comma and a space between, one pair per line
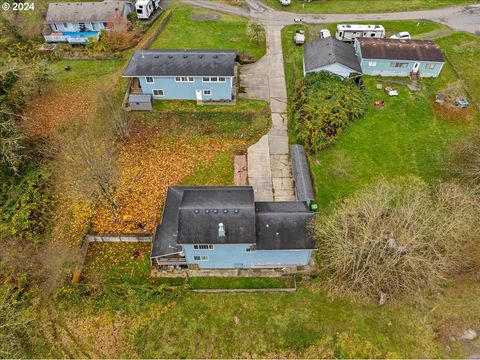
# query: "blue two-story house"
224, 228
398, 57
202, 75
76, 22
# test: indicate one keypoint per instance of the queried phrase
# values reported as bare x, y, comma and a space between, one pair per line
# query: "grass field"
195, 28
362, 6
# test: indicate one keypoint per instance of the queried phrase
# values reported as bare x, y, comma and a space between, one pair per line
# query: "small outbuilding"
140, 102
330, 54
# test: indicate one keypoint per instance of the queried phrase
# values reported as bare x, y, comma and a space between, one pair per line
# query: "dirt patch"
207, 16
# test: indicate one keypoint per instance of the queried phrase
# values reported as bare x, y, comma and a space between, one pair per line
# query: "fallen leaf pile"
151, 161
47, 114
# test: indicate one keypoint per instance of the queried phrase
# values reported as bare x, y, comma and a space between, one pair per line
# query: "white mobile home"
145, 8
349, 32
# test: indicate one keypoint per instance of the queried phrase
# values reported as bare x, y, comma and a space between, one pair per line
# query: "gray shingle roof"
203, 209
283, 226
323, 52
186, 221
85, 11
181, 63
400, 49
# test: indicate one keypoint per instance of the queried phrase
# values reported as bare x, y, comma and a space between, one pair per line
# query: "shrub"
465, 159
26, 205
323, 105
397, 237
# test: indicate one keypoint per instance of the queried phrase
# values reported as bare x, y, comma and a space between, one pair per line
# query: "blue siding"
230, 256
383, 67
187, 90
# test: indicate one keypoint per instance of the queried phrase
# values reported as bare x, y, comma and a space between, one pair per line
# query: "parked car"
299, 37
402, 35
285, 2
324, 33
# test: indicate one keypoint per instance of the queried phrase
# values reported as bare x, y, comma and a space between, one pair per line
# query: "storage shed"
140, 102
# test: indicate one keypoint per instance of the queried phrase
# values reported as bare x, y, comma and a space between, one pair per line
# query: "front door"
415, 68
199, 95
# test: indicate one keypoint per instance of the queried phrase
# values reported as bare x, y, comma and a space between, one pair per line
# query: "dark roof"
85, 11
400, 49
181, 63
203, 209
323, 52
165, 239
301, 174
269, 225
283, 226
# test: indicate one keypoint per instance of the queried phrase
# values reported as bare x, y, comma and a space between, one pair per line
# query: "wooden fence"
90, 238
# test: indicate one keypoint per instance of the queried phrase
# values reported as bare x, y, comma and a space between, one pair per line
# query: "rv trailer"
348, 32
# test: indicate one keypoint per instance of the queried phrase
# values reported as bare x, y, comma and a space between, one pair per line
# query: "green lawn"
463, 51
402, 138
239, 283
362, 6
196, 28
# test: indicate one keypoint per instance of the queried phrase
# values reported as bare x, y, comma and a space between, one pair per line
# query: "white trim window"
214, 79
184, 79
402, 65
200, 258
372, 63
149, 79
207, 92
430, 66
158, 92
203, 247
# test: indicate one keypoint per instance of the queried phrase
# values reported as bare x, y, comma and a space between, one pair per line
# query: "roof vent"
225, 211
196, 211
215, 211
207, 211
236, 211
221, 230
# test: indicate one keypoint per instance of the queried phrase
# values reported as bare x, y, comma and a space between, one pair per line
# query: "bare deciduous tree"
255, 32
465, 159
397, 237
114, 111
90, 165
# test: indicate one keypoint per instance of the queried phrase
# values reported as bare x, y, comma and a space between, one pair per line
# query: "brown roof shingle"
394, 49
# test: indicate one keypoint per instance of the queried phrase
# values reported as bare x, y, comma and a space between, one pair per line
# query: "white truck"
348, 32
145, 8
299, 37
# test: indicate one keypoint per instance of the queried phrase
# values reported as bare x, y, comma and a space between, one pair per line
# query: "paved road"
462, 18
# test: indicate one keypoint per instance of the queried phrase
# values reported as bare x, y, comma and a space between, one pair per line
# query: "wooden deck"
240, 168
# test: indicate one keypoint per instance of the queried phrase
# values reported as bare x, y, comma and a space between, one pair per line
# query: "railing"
55, 38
